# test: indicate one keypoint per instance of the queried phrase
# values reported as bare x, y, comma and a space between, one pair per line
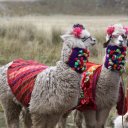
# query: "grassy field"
38, 38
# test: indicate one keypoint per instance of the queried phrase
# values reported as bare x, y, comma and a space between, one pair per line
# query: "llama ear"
65, 37
105, 44
108, 38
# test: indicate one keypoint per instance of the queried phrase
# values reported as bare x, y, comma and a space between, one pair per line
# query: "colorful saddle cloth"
21, 78
88, 88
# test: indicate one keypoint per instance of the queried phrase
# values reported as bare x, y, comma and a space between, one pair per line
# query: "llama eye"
83, 39
124, 36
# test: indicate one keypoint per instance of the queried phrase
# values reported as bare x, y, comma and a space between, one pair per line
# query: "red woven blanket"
89, 81
21, 78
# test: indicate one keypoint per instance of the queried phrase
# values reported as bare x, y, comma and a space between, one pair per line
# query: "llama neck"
64, 72
75, 64
115, 58
107, 88
113, 66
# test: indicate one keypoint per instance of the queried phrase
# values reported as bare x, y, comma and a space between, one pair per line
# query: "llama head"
79, 37
116, 43
117, 36
76, 37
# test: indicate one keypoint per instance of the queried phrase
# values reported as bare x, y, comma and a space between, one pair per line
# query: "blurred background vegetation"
68, 7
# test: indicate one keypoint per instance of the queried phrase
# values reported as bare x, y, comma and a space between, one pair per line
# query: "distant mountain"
73, 7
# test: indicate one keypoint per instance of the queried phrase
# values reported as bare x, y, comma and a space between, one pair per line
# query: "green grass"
26, 41
23, 40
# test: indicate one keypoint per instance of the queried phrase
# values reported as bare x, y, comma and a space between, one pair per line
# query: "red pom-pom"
125, 48
113, 57
126, 28
119, 59
77, 32
110, 30
112, 52
124, 53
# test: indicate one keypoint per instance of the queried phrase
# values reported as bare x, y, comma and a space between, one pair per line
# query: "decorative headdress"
115, 55
77, 30
114, 30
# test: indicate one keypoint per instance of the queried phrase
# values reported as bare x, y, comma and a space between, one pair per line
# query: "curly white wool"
107, 92
121, 123
56, 90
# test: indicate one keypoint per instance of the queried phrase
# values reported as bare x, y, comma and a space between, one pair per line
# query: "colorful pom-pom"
77, 32
110, 30
108, 50
115, 58
118, 51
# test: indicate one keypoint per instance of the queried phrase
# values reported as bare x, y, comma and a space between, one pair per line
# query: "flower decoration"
78, 58
110, 30
77, 30
126, 28
118, 28
115, 58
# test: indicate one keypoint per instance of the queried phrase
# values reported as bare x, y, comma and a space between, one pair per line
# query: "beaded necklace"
78, 58
115, 58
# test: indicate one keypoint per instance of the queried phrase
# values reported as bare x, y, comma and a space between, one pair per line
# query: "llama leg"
44, 121
102, 117
62, 121
90, 118
27, 119
78, 119
38, 121
12, 112
53, 119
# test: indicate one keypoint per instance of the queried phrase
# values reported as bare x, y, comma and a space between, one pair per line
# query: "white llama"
56, 89
118, 121
122, 121
107, 87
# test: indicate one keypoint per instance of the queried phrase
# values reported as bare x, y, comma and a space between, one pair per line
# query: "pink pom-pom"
77, 32
110, 30
126, 28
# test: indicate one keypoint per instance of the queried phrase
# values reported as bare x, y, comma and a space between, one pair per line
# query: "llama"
122, 121
50, 91
118, 121
108, 83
